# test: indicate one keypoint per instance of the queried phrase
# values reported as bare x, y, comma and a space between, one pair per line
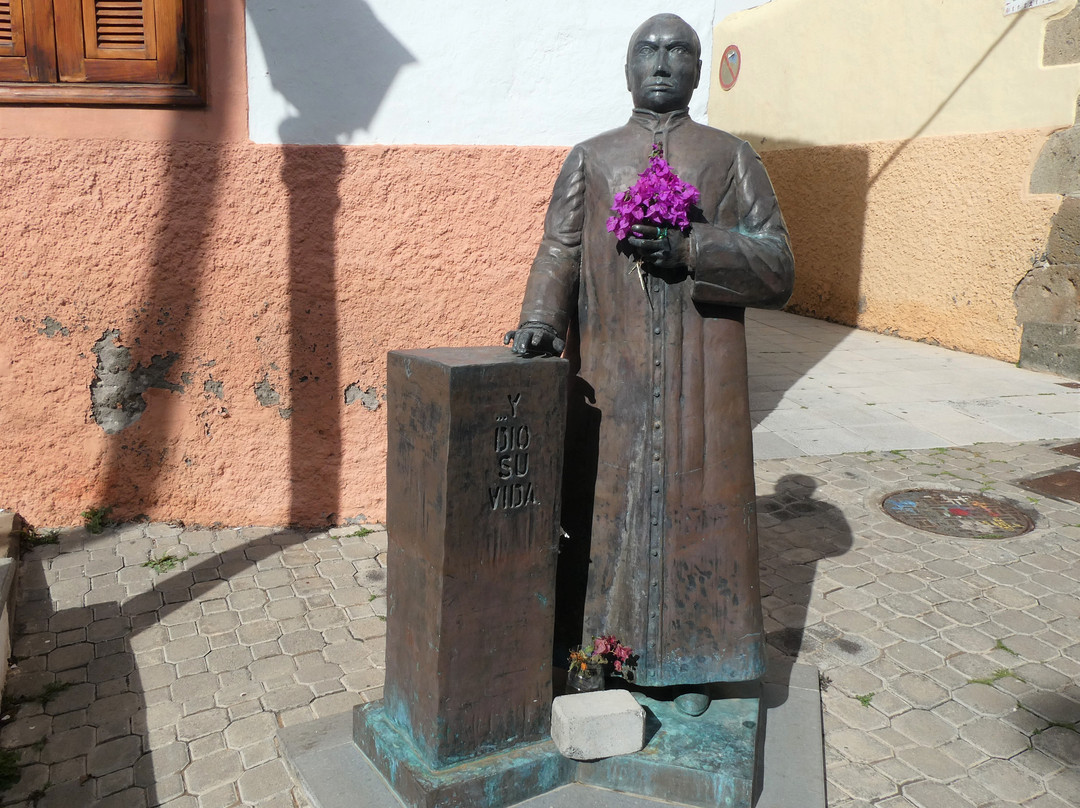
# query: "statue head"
663, 63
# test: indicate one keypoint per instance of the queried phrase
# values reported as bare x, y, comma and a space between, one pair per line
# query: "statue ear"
697, 74
626, 72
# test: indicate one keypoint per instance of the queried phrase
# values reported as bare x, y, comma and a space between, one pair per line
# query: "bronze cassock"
658, 486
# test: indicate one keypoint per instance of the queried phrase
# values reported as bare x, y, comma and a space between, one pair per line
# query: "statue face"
662, 64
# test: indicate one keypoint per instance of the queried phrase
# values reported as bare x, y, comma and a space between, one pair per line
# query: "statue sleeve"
550, 292
751, 265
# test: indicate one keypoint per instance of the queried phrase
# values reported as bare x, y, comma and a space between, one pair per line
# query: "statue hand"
666, 247
534, 339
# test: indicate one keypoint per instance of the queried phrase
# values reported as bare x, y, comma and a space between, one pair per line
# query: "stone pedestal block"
474, 458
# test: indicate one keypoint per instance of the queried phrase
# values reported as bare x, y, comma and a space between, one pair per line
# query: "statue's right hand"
534, 339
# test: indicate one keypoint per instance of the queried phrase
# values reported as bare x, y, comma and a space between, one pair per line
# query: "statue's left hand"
666, 248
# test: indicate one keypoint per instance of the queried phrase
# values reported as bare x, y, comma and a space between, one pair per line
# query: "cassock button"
656, 456
656, 489
656, 330
656, 521
656, 392
656, 424
657, 363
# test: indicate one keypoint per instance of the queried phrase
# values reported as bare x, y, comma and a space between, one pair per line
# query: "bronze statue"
658, 484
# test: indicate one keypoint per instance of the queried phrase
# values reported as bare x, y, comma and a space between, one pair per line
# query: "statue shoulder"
718, 138
616, 138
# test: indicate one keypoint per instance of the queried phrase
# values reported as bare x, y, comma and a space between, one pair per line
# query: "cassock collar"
655, 121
